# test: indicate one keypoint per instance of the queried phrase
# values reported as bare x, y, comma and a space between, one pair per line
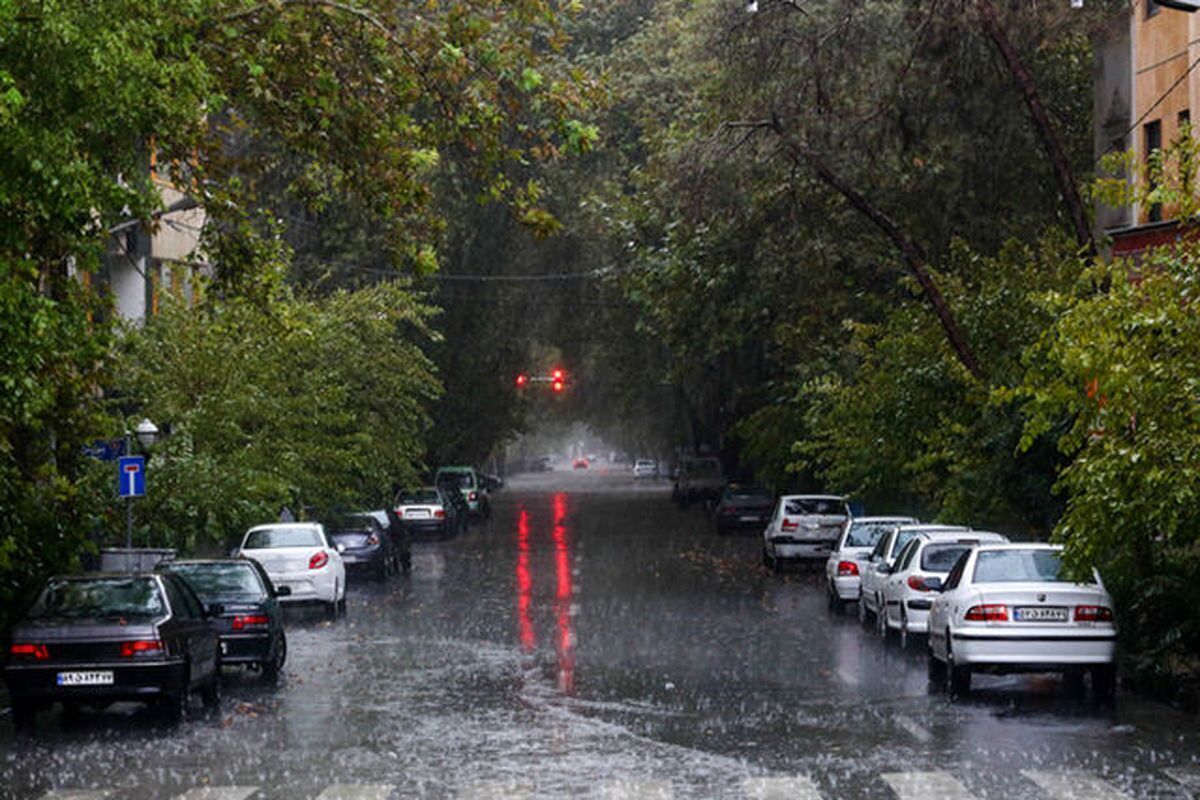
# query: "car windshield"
1013, 566
817, 505
99, 598
459, 480
866, 534
423, 497
218, 580
903, 538
942, 557
283, 537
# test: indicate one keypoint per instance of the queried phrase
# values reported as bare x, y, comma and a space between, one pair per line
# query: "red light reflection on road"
524, 583
566, 627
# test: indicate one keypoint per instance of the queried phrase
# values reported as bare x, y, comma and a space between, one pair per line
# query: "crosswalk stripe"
936, 785
1187, 777
1073, 785
76, 794
637, 790
795, 787
496, 790
218, 793
353, 791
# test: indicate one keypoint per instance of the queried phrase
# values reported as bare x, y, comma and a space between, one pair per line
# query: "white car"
298, 555
921, 567
645, 468
879, 565
803, 526
843, 569
1008, 608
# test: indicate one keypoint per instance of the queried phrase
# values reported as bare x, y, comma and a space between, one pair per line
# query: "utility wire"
1156, 104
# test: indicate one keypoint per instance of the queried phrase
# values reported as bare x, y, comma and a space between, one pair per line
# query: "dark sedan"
96, 639
365, 545
743, 508
249, 622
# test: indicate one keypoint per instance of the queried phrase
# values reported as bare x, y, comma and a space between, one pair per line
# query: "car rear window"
423, 497
757, 496
459, 480
942, 557
1013, 566
817, 506
283, 537
866, 534
212, 580
100, 598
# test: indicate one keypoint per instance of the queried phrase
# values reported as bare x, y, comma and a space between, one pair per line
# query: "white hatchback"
803, 526
1008, 608
844, 568
645, 468
298, 555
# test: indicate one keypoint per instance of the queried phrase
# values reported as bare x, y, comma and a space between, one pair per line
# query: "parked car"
96, 639
922, 565
467, 481
803, 527
743, 507
399, 534
848, 559
1010, 608
645, 468
700, 479
300, 556
365, 546
579, 463
429, 511
454, 498
880, 563
243, 604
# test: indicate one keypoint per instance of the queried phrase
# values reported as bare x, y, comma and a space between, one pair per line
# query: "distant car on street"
880, 562
399, 534
848, 559
743, 508
922, 565
366, 546
580, 463
468, 482
1011, 608
96, 639
243, 604
430, 511
645, 468
300, 556
803, 527
699, 479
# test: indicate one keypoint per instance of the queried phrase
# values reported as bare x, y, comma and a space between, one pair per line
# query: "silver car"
844, 567
1008, 608
803, 526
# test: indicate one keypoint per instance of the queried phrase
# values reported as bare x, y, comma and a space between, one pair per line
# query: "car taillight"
400, 513
439, 513
25, 652
991, 612
1093, 614
141, 647
472, 497
847, 568
790, 525
917, 583
243, 621
373, 539
318, 560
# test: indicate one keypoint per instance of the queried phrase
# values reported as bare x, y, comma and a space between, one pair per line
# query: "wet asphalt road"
594, 641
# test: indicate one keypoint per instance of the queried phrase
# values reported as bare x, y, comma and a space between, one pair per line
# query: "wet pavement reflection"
592, 640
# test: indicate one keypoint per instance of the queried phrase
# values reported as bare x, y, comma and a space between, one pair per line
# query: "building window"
1152, 8
1185, 119
1153, 140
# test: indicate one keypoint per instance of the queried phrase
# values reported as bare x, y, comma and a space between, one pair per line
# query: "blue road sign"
105, 449
131, 476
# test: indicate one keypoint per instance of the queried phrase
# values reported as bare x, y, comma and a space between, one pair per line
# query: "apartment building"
1146, 84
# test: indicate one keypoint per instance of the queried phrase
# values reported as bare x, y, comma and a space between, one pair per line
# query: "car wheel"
904, 637
406, 563
881, 626
958, 676
1104, 683
382, 571
936, 669
272, 667
173, 706
24, 715
862, 611
331, 610
210, 695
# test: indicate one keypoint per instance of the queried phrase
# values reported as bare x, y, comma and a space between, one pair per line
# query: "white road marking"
795, 787
498, 790
353, 791
935, 785
637, 790
76, 794
1187, 777
219, 793
913, 728
1073, 785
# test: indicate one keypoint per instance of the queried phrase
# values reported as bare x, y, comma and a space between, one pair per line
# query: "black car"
248, 619
453, 496
96, 639
366, 546
743, 507
431, 511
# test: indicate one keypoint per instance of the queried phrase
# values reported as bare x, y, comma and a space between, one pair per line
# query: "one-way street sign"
131, 476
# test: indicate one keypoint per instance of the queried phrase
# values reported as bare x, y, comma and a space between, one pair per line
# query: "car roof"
913, 520
279, 526
91, 576
931, 527
973, 537
813, 497
456, 469
169, 562
1021, 546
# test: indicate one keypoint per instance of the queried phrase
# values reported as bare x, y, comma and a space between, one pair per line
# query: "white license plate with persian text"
90, 678
1040, 614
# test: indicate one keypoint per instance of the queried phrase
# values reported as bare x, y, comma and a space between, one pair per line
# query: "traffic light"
522, 380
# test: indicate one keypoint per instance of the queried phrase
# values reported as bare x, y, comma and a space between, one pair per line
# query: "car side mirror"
214, 610
283, 591
883, 569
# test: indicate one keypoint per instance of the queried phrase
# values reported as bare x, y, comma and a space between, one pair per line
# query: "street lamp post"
146, 433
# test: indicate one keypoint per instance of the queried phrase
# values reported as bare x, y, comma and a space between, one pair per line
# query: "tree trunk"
1041, 121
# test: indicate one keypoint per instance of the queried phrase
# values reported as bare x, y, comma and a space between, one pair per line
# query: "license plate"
348, 559
750, 519
418, 514
94, 678
1040, 614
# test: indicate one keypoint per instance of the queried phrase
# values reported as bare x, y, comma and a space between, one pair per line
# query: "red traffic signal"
522, 380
